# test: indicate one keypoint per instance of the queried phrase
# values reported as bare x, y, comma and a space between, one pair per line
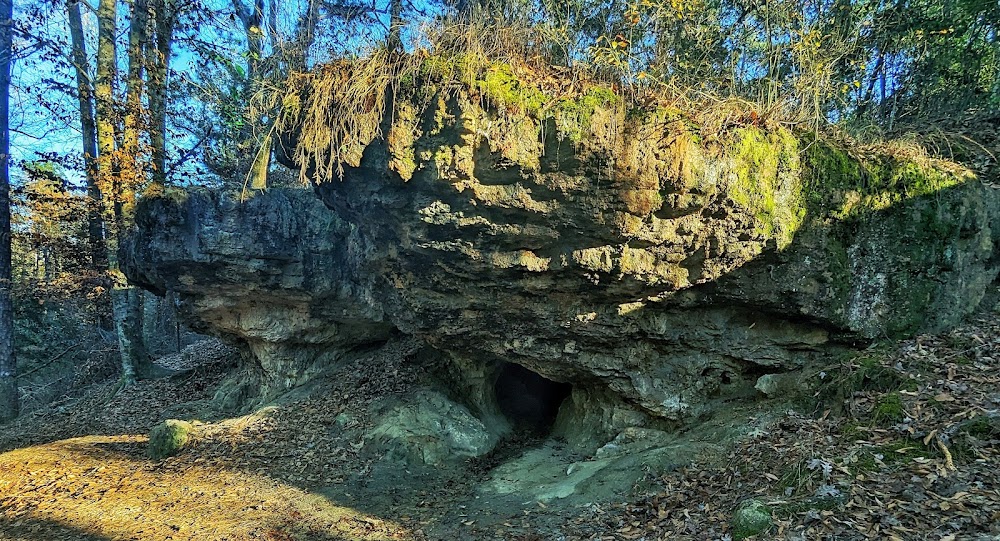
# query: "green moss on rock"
753, 517
843, 186
573, 116
506, 90
766, 181
169, 438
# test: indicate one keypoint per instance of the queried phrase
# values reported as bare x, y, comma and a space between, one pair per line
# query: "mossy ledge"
442, 110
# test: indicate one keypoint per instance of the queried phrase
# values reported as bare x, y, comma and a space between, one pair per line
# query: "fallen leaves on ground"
104, 486
927, 471
907, 452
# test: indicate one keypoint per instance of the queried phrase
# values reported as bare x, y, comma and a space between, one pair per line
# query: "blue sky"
45, 118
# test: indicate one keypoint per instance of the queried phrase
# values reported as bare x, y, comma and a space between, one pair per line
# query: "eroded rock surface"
271, 273
658, 275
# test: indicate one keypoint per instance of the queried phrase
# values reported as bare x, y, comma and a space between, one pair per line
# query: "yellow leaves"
615, 44
921, 34
846, 87
662, 10
611, 52
47, 205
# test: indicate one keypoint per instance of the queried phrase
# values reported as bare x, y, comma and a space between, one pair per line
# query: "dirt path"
104, 487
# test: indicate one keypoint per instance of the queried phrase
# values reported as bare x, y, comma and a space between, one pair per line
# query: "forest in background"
113, 100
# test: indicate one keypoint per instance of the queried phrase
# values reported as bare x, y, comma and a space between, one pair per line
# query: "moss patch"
169, 438
573, 116
845, 185
766, 181
889, 409
505, 90
887, 455
984, 427
752, 517
974, 433
816, 503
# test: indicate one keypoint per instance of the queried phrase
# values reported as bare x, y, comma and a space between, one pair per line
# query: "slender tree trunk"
95, 220
9, 403
298, 57
127, 307
395, 38
252, 18
127, 299
119, 306
88, 131
110, 174
151, 324
137, 38
104, 94
164, 17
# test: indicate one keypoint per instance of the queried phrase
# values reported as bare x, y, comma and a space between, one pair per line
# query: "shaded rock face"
656, 291
271, 273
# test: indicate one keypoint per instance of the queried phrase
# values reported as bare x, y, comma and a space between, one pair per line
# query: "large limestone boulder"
430, 429
659, 273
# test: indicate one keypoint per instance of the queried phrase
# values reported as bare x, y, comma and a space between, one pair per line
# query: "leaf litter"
907, 452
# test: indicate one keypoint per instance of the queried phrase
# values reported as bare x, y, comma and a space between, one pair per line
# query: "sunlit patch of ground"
102, 487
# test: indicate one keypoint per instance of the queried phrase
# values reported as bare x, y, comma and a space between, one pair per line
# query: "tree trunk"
129, 345
252, 18
127, 307
9, 403
104, 93
174, 318
137, 37
88, 131
395, 39
305, 35
152, 324
164, 18
95, 220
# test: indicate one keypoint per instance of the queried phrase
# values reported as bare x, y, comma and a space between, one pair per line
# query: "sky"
44, 109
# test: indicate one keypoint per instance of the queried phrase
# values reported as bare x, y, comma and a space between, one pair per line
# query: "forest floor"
899, 443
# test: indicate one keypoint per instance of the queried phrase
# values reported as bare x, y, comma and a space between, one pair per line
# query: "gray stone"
428, 428
499, 249
780, 385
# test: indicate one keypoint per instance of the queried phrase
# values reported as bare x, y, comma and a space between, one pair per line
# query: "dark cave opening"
528, 400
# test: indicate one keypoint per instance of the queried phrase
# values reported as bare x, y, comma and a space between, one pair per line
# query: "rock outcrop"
657, 273
271, 273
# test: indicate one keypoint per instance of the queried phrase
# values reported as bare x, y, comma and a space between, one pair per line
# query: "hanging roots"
337, 110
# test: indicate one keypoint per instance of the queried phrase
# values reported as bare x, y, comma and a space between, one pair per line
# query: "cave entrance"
528, 400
